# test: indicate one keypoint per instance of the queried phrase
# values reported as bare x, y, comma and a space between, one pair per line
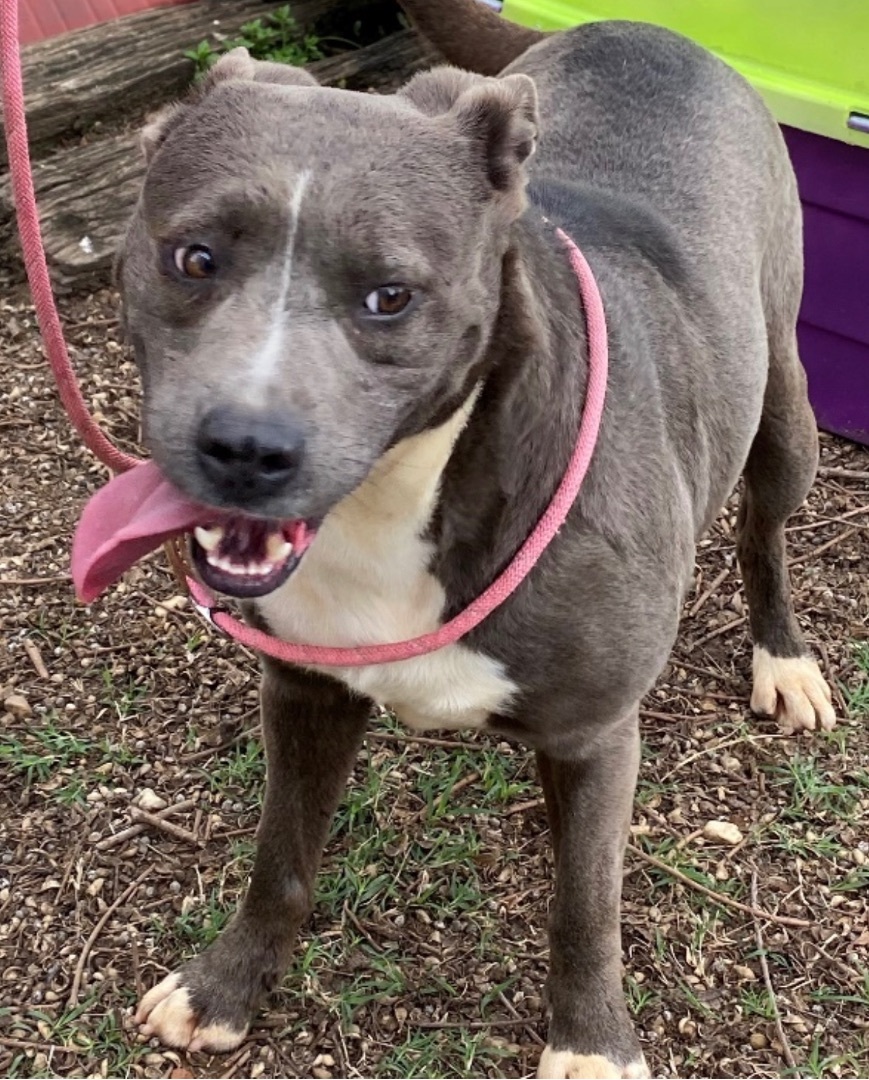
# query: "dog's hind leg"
781, 467
313, 730
589, 801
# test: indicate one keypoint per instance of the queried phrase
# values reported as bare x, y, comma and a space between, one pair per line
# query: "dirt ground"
426, 955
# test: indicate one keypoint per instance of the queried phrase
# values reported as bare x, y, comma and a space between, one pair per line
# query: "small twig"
719, 898
832, 472
352, 917
137, 967
168, 827
844, 969
521, 807
35, 657
514, 1012
247, 733
839, 519
764, 967
821, 548
718, 746
465, 782
238, 1058
831, 682
387, 736
470, 1025
33, 1044
72, 1001
717, 632
54, 579
707, 593
719, 676
669, 717
137, 830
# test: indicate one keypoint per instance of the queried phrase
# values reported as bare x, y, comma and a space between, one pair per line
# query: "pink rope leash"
523, 561
34, 252
118, 461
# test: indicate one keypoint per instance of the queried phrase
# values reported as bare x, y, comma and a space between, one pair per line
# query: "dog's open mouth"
140, 509
248, 557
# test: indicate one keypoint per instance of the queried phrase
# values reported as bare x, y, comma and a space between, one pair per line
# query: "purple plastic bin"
834, 319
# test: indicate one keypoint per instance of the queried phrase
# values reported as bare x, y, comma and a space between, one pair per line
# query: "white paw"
166, 1011
793, 690
566, 1065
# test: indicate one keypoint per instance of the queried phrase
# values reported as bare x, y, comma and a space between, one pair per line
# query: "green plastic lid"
809, 59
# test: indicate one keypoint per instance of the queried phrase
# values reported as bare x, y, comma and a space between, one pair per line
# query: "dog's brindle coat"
434, 442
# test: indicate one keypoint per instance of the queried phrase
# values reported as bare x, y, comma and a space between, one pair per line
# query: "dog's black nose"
248, 455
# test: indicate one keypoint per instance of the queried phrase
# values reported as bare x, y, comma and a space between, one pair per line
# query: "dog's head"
313, 274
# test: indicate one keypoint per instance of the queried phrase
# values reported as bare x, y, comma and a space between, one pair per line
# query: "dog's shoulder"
612, 220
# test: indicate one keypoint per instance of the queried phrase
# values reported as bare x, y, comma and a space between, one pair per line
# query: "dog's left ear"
500, 115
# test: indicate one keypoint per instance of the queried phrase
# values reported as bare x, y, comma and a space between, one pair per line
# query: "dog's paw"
168, 1012
793, 690
566, 1065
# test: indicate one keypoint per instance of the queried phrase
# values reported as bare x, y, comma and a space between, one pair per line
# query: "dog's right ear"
236, 66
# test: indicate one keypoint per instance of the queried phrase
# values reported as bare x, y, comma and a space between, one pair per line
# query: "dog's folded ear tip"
501, 113
157, 127
238, 65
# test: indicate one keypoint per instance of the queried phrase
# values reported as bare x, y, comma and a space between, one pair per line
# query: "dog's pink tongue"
132, 515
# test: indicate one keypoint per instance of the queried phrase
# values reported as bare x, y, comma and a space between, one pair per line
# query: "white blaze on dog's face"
313, 275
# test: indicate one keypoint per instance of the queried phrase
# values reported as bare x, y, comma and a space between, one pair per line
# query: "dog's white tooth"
208, 539
277, 548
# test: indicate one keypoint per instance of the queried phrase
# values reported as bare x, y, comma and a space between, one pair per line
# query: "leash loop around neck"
119, 461
522, 562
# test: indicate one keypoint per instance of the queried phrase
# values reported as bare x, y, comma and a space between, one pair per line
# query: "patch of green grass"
58, 631
812, 792
42, 751
860, 997
275, 36
667, 849
448, 1053
819, 1065
127, 697
197, 928
856, 881
243, 766
98, 1035
808, 846
857, 695
640, 997
755, 1001
71, 794
696, 1004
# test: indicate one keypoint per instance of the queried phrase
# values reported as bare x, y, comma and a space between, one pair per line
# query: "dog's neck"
512, 453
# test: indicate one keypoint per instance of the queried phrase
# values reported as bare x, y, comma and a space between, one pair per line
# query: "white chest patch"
364, 581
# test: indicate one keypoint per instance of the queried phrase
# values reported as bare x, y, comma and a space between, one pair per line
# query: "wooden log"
87, 192
383, 66
127, 65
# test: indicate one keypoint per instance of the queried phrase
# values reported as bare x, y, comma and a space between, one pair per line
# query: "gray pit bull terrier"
352, 313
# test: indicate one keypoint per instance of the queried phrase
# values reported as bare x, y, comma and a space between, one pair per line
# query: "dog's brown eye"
195, 261
388, 300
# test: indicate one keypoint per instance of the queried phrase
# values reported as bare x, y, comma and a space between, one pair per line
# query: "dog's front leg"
312, 730
589, 800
